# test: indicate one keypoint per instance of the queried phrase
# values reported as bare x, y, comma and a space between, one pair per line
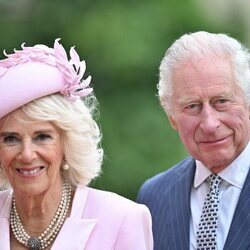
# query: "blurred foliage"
122, 43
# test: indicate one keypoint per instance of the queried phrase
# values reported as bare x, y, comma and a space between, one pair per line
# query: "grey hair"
81, 135
202, 44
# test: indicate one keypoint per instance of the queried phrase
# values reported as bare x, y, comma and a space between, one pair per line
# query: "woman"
49, 152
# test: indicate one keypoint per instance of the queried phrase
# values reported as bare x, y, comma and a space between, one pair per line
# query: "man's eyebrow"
184, 100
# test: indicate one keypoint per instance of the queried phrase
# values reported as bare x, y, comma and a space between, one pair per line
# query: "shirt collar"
235, 173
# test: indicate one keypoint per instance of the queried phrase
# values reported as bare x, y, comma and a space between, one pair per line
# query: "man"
204, 88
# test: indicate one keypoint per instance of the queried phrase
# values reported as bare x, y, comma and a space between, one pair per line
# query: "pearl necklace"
49, 234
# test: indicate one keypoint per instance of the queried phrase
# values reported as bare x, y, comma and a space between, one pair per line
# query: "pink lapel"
73, 235
5, 206
76, 231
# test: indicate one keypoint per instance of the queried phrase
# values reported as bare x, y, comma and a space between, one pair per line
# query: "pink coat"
99, 220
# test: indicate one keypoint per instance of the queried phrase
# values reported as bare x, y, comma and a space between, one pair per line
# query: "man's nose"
209, 119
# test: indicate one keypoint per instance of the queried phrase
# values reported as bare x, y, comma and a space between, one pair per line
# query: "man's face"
209, 112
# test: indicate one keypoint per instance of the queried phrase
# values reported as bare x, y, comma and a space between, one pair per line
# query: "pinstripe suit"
168, 197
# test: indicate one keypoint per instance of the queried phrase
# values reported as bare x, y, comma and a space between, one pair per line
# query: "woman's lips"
30, 172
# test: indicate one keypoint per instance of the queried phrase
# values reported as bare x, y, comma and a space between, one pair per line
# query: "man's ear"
173, 122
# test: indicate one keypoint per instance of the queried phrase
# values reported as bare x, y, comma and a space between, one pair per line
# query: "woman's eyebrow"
6, 133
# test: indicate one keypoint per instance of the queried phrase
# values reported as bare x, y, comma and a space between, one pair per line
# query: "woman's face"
30, 153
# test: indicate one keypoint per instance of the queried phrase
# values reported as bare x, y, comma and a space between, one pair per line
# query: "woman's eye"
11, 140
42, 138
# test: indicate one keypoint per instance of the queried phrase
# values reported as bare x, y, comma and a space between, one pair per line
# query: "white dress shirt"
233, 178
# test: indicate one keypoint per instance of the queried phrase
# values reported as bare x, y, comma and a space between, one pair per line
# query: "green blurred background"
123, 43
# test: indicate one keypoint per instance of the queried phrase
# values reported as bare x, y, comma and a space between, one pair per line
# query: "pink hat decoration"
37, 71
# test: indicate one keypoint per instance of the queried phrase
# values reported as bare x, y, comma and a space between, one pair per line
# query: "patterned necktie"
206, 234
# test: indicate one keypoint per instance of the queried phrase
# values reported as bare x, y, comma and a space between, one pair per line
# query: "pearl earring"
65, 166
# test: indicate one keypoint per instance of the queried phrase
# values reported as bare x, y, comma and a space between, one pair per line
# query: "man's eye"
221, 101
192, 106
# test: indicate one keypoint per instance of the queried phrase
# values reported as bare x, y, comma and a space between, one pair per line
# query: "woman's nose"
27, 152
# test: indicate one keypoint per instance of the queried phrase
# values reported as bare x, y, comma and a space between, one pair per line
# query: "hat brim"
26, 82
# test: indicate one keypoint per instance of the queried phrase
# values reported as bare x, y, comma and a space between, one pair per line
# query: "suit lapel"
76, 230
4, 220
4, 234
239, 232
74, 234
179, 210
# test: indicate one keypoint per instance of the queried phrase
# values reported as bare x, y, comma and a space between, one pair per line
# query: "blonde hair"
80, 133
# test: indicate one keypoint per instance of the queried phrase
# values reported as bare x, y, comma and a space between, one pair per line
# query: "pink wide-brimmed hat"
38, 71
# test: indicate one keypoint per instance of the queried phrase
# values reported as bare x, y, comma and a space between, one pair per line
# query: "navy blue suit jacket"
168, 197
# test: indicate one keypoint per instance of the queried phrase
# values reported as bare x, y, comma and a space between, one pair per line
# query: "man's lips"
213, 142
